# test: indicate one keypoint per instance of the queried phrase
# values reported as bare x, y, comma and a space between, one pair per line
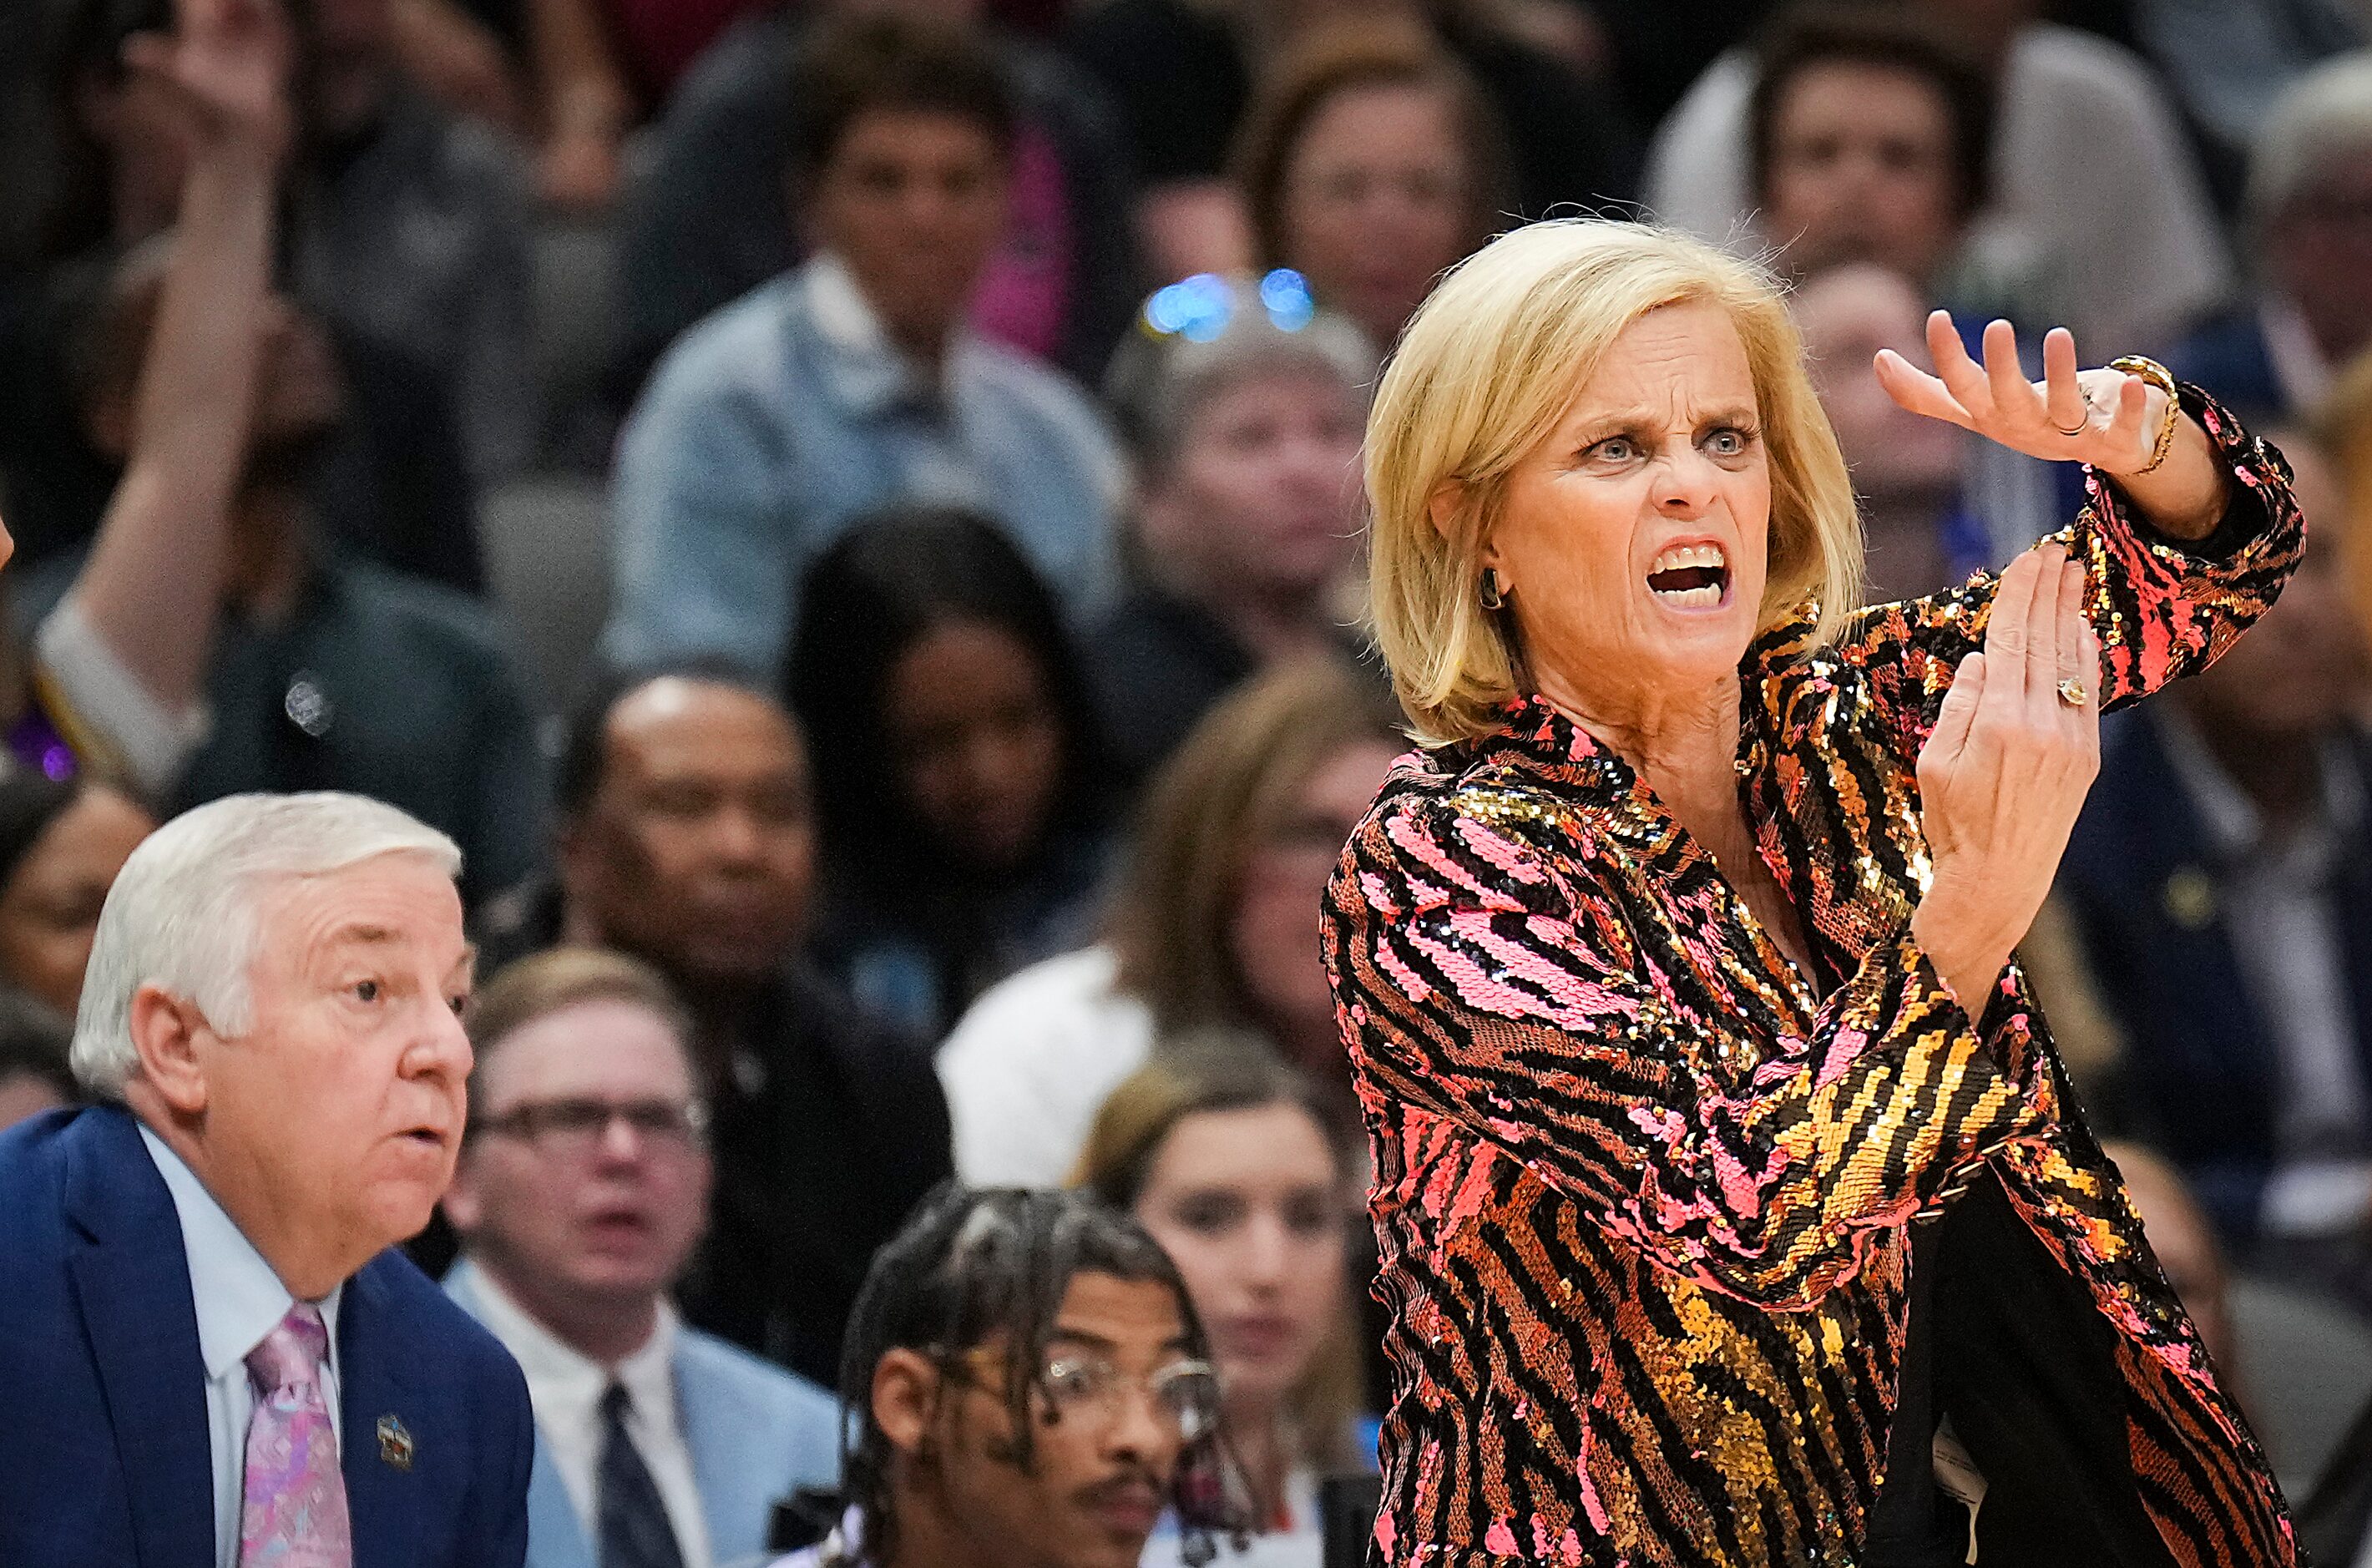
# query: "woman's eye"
1728, 441
366, 989
1613, 449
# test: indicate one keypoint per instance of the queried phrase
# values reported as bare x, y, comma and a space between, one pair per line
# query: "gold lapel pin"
394, 1443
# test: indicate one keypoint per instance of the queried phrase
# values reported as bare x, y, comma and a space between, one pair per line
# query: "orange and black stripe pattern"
1641, 1187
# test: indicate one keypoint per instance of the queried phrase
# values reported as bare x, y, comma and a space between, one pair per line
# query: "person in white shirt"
1214, 922
581, 1193
2090, 173
1228, 1158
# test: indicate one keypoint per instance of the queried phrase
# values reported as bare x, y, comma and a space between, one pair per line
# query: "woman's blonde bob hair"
1488, 367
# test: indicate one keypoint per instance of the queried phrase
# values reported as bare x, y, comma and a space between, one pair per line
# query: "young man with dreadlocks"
1024, 1385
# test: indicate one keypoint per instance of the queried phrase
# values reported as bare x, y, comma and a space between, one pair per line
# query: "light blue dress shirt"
782, 419
240, 1301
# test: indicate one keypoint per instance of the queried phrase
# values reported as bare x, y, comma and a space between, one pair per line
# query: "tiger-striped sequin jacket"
1641, 1189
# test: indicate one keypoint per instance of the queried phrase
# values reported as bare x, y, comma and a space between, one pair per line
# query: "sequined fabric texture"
1641, 1187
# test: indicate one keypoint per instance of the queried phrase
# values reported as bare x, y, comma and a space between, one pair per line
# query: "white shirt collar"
239, 1298
563, 1381
870, 370
2301, 369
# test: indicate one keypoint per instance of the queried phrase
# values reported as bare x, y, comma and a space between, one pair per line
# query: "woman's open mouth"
1690, 577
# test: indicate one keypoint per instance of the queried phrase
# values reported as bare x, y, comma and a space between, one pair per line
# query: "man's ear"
905, 1398
165, 1031
460, 1201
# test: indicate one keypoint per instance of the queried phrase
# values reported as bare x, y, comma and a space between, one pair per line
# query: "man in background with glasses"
581, 1192
1027, 1387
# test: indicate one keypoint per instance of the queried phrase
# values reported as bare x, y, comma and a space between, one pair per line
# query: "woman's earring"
1493, 595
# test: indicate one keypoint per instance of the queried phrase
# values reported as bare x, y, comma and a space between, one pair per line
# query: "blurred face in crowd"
1375, 203
1258, 495
930, 10
2302, 669
49, 907
299, 389
24, 1095
349, 61
328, 1129
697, 850
147, 141
2318, 250
1274, 938
1248, 1203
913, 204
1898, 458
1101, 1467
976, 741
585, 1183
1861, 169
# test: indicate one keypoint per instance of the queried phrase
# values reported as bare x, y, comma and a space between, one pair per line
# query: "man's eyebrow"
367, 934
467, 964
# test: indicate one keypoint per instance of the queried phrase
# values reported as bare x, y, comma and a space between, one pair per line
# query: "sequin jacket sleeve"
2163, 608
1494, 991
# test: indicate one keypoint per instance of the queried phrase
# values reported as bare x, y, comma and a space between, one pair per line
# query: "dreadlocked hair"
975, 1265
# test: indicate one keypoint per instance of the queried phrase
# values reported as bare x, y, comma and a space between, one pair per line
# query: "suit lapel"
384, 1472
132, 1281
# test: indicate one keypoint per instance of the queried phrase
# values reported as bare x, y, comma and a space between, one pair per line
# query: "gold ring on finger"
2073, 693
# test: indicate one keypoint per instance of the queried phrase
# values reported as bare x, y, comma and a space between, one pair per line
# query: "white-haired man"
2276, 354
210, 1354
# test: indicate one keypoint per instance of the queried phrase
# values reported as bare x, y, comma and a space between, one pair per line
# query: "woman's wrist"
2186, 495
1968, 956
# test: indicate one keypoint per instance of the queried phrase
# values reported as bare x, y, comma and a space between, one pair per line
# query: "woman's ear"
1444, 507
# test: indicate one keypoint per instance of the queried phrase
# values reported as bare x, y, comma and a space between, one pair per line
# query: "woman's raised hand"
2005, 770
227, 63
2102, 417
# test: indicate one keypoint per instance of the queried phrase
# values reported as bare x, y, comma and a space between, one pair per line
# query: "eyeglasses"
1084, 1387
1199, 308
575, 1129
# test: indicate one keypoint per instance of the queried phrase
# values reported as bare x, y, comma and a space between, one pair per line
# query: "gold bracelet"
2157, 376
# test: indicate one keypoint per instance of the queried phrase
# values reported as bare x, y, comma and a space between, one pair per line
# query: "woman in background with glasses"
1225, 1154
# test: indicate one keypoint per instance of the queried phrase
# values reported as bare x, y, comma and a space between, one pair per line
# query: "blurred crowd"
848, 512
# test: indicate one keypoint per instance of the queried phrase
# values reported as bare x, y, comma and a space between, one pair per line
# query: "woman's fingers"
2042, 672
1915, 390
2012, 395
2072, 652
2132, 403
2005, 635
1950, 736
1962, 377
2063, 393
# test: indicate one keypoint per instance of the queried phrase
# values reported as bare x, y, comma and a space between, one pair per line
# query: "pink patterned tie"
295, 1509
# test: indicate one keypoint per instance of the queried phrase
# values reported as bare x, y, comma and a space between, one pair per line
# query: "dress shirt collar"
239, 1298
563, 1383
863, 369
2301, 370
2234, 828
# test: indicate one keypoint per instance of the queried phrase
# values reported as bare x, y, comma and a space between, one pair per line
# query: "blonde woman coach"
1733, 1208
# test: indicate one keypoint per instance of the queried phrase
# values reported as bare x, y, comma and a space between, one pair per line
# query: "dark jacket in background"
2201, 1074
827, 1126
1183, 85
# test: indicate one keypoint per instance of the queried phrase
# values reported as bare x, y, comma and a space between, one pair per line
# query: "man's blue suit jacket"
756, 1432
104, 1455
